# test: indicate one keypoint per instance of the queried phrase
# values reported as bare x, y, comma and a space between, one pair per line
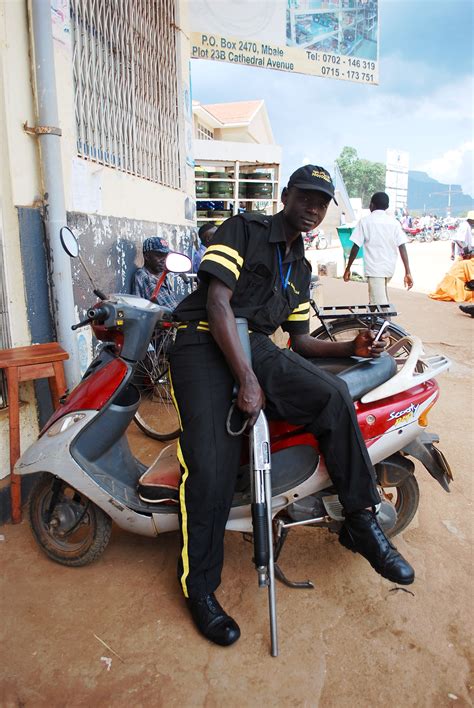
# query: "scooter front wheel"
67, 526
156, 416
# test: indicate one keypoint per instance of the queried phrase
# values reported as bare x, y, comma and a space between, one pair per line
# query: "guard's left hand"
364, 344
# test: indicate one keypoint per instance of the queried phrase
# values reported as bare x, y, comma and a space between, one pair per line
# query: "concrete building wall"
260, 129
19, 184
110, 211
236, 135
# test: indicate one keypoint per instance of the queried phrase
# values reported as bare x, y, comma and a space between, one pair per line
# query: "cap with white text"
313, 177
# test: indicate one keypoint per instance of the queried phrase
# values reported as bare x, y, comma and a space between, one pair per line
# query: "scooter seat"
159, 484
360, 375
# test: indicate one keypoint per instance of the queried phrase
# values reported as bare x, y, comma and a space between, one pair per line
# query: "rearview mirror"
177, 263
69, 242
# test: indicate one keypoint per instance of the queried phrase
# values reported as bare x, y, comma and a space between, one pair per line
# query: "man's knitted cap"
156, 244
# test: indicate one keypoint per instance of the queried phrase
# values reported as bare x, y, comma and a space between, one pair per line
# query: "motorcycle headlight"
63, 424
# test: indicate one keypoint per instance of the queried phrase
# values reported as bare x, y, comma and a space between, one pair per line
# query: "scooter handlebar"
99, 314
95, 314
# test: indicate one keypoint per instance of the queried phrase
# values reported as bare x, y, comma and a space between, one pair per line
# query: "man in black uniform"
255, 268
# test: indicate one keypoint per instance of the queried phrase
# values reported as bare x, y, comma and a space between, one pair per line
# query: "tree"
362, 177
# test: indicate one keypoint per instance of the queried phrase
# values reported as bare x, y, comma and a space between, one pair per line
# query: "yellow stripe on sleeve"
301, 308
223, 261
300, 313
298, 318
226, 250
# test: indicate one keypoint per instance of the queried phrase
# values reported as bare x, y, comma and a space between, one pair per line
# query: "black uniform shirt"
244, 255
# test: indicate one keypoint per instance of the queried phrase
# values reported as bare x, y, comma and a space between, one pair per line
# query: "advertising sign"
337, 39
396, 178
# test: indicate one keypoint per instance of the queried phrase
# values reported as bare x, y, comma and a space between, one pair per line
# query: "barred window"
204, 133
126, 86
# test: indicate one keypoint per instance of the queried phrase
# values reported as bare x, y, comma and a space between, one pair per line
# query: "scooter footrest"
159, 484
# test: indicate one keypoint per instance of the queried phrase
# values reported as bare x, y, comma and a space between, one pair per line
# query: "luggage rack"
371, 316
364, 312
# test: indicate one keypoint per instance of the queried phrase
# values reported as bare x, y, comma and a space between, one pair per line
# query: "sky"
423, 103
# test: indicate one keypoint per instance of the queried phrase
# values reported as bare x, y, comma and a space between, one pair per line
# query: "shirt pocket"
258, 282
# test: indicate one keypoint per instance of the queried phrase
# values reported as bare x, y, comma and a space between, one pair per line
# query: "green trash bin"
344, 233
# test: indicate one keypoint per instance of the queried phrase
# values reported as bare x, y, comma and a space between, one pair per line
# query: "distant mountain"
423, 196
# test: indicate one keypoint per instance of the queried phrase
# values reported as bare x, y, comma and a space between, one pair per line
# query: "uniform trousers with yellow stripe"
296, 391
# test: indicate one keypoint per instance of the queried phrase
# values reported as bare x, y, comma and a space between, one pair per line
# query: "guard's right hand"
250, 399
347, 275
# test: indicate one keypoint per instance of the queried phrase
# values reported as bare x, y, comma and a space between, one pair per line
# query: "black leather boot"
362, 534
467, 309
212, 621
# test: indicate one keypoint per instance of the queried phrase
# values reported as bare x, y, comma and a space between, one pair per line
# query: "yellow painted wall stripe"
219, 248
222, 260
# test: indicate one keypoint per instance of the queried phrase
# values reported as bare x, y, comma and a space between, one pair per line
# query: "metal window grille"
126, 87
204, 133
5, 339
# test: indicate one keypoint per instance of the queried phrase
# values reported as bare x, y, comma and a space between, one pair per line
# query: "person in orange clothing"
451, 288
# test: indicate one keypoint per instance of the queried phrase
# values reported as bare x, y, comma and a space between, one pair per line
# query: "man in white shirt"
462, 236
382, 238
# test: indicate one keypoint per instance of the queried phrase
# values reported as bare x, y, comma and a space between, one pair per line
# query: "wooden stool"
25, 364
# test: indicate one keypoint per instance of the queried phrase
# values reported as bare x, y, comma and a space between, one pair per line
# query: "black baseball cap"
312, 177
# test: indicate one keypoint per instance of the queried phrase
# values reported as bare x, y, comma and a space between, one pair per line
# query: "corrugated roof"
237, 112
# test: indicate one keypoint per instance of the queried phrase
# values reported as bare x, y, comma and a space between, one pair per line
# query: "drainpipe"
49, 137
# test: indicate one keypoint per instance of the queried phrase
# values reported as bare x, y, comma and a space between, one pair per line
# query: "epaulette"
262, 219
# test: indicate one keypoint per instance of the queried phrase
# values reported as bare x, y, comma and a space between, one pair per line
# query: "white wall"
19, 184
112, 192
97, 188
260, 129
19, 167
231, 151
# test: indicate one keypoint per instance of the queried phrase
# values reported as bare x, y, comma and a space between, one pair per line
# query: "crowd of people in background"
428, 227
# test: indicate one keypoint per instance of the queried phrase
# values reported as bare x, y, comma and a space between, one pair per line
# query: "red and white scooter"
90, 478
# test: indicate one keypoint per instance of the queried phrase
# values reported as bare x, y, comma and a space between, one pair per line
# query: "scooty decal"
402, 417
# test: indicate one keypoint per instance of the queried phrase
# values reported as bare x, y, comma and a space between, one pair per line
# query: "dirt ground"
355, 640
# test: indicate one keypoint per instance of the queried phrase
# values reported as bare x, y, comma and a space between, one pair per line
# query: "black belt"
197, 326
194, 326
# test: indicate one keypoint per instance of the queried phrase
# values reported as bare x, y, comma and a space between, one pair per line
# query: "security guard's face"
304, 209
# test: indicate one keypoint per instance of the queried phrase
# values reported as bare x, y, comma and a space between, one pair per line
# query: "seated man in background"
462, 238
145, 279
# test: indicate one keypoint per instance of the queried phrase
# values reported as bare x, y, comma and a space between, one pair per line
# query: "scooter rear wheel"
405, 498
67, 526
346, 330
